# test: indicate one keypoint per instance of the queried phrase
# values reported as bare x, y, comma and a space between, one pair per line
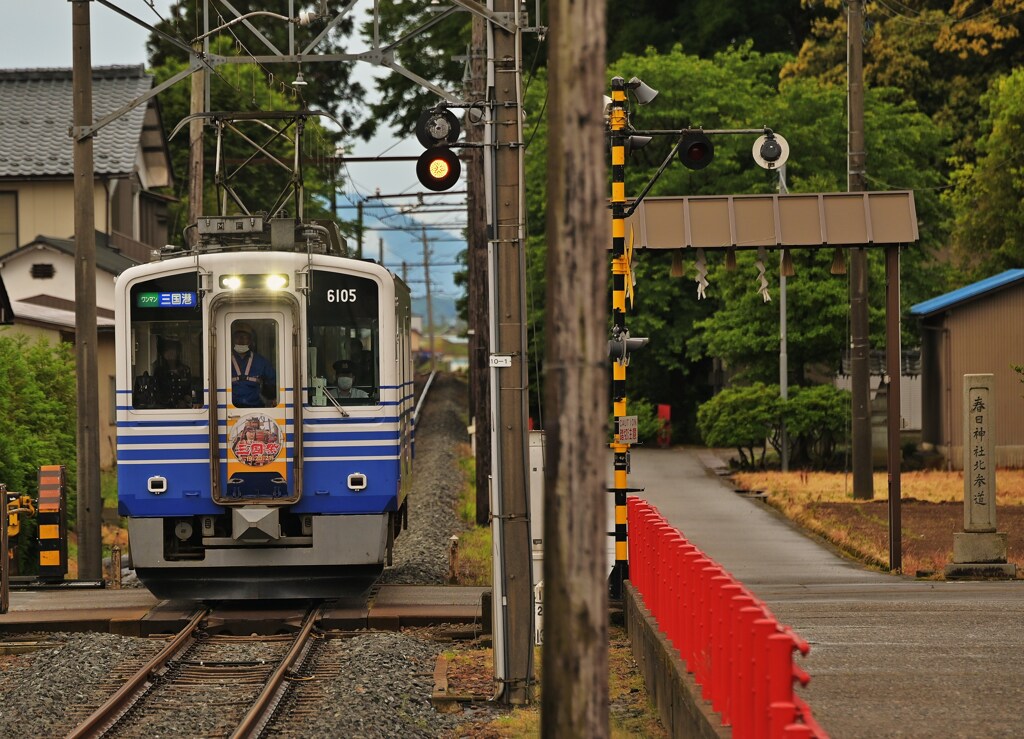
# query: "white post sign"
628, 430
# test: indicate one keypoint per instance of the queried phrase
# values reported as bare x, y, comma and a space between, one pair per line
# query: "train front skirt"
341, 556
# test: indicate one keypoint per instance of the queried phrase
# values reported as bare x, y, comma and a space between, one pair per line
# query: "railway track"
236, 682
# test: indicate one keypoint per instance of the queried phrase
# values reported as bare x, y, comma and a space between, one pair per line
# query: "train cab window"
343, 351
166, 349
254, 363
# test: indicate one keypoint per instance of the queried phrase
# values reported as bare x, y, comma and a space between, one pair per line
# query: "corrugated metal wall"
983, 336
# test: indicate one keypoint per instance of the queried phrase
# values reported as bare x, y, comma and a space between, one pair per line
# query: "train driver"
253, 380
345, 377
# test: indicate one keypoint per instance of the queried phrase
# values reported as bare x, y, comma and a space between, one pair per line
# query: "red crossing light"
696, 150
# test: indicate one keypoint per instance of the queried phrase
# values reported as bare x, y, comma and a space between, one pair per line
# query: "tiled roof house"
37, 251
131, 159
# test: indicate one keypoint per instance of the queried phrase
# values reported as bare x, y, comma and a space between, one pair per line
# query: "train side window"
166, 346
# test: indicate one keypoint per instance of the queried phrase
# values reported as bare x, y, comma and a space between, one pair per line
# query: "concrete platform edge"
682, 711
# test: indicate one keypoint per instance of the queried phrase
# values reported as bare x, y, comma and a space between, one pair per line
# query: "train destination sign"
166, 300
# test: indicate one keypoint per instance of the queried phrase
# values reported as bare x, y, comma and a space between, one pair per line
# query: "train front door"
254, 370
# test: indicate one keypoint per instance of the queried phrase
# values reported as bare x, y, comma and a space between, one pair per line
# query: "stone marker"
979, 551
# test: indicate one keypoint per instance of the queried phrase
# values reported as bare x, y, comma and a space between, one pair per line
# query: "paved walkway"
890, 656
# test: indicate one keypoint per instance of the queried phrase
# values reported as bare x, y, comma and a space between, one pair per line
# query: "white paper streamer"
762, 254
702, 275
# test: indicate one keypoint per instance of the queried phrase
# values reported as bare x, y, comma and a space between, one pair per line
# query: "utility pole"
510, 500
476, 262
575, 695
430, 303
359, 229
90, 504
380, 250
860, 369
197, 104
783, 342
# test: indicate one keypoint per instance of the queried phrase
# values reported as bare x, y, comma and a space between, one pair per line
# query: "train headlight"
254, 282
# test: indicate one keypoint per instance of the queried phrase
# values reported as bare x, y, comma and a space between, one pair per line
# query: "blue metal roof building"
968, 292
976, 329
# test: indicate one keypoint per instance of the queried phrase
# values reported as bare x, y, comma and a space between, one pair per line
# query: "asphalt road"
891, 656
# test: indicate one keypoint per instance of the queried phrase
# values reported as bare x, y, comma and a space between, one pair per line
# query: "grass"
631, 712
823, 504
475, 541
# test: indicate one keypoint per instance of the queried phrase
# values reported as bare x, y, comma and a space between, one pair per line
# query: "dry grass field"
931, 511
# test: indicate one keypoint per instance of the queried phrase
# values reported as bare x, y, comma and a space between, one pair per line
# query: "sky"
37, 33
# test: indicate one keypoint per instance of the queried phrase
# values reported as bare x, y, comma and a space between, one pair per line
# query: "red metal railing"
737, 651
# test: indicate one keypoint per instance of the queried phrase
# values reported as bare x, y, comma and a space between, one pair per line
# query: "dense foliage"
751, 418
942, 118
37, 403
743, 417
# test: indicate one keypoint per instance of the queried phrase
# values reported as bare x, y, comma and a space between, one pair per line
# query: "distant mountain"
444, 309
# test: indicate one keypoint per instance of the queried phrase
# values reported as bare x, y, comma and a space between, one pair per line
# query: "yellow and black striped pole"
53, 524
620, 271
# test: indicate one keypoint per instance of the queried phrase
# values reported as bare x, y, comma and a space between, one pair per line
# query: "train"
264, 391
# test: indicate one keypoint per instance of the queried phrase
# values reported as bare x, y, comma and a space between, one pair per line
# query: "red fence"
737, 651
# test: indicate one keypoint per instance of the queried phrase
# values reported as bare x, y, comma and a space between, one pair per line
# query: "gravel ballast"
384, 687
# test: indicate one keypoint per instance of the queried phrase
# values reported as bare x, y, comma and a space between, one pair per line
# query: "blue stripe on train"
325, 483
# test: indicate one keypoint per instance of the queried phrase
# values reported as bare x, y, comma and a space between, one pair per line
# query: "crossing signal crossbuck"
438, 168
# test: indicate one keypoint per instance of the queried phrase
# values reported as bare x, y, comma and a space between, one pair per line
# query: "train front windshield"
166, 343
343, 348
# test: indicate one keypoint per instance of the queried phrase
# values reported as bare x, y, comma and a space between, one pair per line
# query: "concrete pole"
359, 230
860, 371
430, 303
783, 343
510, 500
90, 504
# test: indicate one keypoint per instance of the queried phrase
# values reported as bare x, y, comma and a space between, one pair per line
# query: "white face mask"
345, 383
241, 348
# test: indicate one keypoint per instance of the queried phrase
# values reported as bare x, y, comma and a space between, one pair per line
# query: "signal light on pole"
438, 168
696, 150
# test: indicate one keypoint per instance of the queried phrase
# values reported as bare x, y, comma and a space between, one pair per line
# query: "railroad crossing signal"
438, 168
696, 150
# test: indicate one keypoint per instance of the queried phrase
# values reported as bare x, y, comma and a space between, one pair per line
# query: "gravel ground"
421, 552
385, 685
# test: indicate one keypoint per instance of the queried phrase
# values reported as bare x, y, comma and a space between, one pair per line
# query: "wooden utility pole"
575, 695
513, 589
860, 367
90, 503
197, 104
476, 262
430, 303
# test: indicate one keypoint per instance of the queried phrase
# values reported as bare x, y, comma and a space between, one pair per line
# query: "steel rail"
115, 706
262, 708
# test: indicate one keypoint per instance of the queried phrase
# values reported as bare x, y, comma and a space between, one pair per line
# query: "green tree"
817, 419
37, 403
988, 225
245, 87
744, 417
330, 85
704, 27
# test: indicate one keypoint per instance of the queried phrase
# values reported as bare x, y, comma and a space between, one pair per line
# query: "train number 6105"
341, 295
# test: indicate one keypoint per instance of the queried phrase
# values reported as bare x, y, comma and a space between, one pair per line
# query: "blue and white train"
264, 412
